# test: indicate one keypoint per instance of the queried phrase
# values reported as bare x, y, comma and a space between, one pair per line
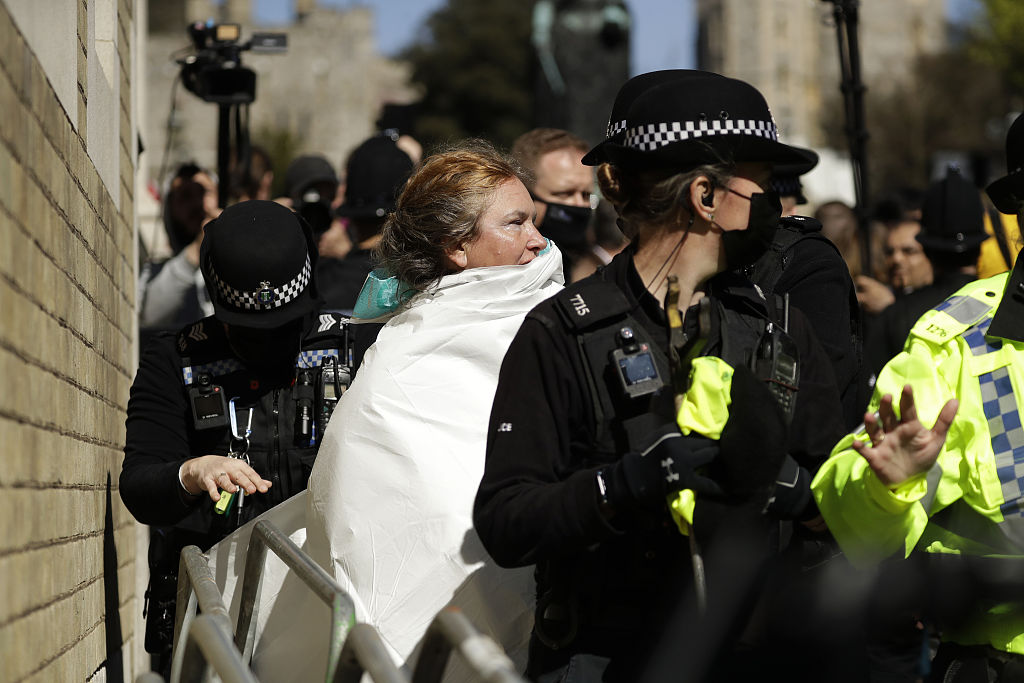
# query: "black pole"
223, 152
846, 14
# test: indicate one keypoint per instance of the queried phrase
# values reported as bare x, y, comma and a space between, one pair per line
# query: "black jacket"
890, 329
804, 264
538, 502
161, 433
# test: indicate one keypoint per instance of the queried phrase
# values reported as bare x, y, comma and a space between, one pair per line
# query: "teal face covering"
382, 293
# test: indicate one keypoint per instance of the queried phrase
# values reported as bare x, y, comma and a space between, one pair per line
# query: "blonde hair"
438, 210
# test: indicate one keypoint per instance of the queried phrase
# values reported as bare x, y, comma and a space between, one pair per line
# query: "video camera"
214, 72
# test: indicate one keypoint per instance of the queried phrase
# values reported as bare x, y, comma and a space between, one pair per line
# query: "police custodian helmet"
258, 259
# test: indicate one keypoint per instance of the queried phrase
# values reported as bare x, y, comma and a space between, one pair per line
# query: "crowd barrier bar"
265, 535
209, 643
196, 587
452, 630
364, 652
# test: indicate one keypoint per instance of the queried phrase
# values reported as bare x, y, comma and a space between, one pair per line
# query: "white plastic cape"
389, 506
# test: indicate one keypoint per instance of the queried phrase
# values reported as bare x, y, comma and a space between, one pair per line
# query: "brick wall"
67, 335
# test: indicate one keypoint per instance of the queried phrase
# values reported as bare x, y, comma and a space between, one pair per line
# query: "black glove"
667, 466
791, 494
754, 441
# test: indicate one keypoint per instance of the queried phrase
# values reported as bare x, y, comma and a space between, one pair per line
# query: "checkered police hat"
624, 99
700, 118
258, 260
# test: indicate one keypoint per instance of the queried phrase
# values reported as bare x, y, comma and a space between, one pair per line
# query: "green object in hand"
227, 500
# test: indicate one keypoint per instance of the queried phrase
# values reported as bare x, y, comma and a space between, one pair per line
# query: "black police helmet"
258, 259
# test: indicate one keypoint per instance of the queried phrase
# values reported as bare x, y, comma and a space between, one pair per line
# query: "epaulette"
200, 338
954, 316
329, 325
590, 302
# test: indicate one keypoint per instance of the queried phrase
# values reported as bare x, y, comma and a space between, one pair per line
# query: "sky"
663, 30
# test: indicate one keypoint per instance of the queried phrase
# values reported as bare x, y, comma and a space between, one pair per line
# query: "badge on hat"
265, 294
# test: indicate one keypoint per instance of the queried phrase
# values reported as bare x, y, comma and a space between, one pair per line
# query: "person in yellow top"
957, 487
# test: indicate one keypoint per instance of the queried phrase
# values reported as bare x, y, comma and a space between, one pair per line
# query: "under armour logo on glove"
670, 472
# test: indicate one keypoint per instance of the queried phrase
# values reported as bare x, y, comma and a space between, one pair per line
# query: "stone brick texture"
67, 335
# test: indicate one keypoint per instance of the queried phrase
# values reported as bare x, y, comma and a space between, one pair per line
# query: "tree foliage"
474, 62
951, 103
994, 38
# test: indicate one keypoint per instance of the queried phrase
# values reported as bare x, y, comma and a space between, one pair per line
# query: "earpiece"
708, 199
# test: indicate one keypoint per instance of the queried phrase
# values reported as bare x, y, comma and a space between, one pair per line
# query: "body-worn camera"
209, 407
634, 365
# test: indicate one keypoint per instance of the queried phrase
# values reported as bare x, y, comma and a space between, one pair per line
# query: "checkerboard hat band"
614, 128
651, 136
264, 298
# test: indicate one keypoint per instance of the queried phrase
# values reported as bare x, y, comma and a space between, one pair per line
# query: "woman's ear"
457, 258
702, 197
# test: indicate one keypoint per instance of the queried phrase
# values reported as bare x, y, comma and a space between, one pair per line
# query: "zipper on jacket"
274, 457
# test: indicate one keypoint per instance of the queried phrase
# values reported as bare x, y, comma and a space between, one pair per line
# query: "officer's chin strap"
680, 378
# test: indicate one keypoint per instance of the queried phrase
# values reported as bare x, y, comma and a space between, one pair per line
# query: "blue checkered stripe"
314, 358
306, 360
652, 136
214, 369
949, 302
1004, 425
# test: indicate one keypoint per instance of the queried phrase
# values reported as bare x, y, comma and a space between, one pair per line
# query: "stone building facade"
787, 48
68, 560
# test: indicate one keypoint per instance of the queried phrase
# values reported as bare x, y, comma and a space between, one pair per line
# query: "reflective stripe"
932, 480
963, 309
217, 368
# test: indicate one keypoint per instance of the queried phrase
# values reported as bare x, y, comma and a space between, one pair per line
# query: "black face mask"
566, 225
743, 247
270, 353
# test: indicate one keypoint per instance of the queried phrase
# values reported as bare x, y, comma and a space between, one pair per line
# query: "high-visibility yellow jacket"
970, 502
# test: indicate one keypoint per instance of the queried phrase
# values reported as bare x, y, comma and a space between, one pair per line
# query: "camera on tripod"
214, 72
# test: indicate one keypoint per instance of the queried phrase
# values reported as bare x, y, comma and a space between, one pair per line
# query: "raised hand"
903, 447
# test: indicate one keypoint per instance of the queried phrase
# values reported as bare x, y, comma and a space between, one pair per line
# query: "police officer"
223, 416
953, 488
649, 382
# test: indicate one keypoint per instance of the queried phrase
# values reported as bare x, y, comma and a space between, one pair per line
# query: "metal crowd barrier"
196, 587
355, 649
364, 652
452, 630
343, 614
209, 643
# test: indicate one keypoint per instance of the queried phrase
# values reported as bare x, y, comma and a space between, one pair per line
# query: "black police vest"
635, 578
278, 450
593, 311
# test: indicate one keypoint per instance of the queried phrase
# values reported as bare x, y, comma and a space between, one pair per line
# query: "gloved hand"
791, 494
754, 441
667, 466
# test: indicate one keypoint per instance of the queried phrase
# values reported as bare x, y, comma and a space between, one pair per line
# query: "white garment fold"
389, 506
